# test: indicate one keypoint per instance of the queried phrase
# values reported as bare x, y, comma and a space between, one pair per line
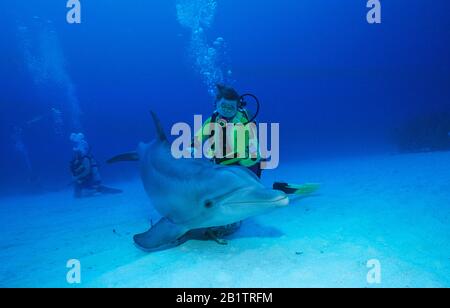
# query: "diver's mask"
227, 108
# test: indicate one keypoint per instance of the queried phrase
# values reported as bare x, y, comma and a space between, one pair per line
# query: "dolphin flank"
192, 194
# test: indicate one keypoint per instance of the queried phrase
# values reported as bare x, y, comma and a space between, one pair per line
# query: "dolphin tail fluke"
159, 129
163, 235
132, 156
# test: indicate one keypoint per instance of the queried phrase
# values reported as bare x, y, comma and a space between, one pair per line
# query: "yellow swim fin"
293, 189
305, 189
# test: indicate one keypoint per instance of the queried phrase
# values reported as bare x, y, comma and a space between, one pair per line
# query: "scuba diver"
231, 108
84, 169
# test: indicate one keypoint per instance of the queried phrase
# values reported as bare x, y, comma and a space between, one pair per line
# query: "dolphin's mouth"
280, 199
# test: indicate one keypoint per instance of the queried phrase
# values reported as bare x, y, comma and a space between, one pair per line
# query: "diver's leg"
108, 190
284, 187
293, 189
77, 191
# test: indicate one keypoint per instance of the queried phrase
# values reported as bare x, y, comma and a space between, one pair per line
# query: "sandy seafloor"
394, 208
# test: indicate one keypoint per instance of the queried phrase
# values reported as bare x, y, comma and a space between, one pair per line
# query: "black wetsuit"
84, 165
91, 180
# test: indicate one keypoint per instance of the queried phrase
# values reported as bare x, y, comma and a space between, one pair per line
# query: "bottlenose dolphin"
193, 194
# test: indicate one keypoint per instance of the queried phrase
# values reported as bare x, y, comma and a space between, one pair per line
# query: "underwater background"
336, 84
364, 111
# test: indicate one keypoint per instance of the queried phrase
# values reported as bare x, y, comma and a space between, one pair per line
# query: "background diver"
84, 169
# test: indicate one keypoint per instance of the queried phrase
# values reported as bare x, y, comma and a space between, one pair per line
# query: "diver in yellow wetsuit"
230, 109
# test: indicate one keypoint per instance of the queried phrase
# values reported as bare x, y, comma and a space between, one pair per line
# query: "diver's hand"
253, 149
76, 180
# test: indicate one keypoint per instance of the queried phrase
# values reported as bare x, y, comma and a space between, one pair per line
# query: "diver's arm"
199, 137
86, 166
200, 134
253, 155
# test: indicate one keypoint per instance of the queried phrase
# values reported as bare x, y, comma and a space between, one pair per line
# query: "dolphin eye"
209, 204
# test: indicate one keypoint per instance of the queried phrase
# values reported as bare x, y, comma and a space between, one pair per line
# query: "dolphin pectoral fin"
132, 156
163, 235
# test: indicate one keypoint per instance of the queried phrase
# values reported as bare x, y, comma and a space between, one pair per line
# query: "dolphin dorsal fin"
159, 129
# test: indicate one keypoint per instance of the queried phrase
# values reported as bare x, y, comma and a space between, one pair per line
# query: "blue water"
335, 83
340, 89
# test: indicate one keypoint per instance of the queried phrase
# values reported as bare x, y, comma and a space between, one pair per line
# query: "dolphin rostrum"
193, 194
